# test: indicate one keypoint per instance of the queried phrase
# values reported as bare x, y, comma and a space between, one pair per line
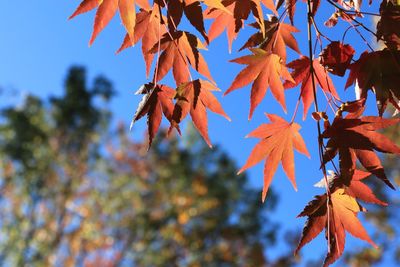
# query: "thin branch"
362, 36
320, 146
350, 16
319, 33
158, 52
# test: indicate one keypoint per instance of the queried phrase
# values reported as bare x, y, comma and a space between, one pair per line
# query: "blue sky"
38, 44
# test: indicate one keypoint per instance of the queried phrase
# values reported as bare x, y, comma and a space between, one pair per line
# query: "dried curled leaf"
336, 57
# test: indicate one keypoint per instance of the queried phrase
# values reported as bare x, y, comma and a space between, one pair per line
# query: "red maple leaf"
278, 139
157, 100
264, 69
378, 71
302, 74
360, 190
341, 216
193, 98
357, 138
291, 7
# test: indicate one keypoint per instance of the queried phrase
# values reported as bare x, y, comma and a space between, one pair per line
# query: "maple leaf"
104, 14
360, 190
357, 138
192, 10
277, 37
85, 6
180, 49
193, 98
342, 217
302, 74
223, 19
106, 9
353, 187
216, 4
147, 29
388, 28
278, 139
157, 100
264, 70
232, 17
336, 57
291, 8
378, 71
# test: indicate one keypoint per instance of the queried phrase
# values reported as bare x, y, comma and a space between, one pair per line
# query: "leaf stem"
158, 50
320, 142
296, 108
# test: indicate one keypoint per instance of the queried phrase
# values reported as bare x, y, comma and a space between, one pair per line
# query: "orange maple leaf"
148, 29
106, 10
193, 98
342, 217
302, 74
223, 19
232, 17
278, 139
179, 51
264, 69
277, 37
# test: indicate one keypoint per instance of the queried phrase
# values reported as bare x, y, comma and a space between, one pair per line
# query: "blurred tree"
67, 199
186, 207
47, 150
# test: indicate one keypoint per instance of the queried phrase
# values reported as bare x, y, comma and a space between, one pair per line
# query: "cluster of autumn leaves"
351, 137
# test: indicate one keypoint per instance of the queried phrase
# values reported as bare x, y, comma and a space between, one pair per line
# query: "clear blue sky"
38, 44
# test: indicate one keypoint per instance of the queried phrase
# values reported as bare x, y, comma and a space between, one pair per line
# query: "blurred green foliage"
74, 193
